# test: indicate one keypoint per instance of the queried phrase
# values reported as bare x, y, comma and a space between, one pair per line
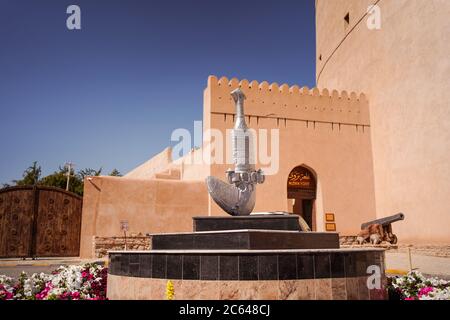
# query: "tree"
58, 179
30, 176
88, 172
115, 173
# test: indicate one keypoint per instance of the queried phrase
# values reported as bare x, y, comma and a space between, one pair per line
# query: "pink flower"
425, 291
75, 295
410, 298
4, 294
64, 296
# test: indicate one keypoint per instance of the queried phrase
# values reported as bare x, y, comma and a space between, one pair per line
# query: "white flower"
6, 280
67, 279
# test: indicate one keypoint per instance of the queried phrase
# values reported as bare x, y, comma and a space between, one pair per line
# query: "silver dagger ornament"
237, 197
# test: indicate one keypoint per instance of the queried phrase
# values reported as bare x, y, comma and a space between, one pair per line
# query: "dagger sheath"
237, 198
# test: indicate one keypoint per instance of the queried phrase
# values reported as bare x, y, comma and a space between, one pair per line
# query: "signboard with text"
124, 225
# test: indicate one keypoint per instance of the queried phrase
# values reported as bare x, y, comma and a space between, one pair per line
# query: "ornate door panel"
16, 221
39, 221
58, 224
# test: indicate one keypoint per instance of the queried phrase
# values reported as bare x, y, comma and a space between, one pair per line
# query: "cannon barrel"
384, 221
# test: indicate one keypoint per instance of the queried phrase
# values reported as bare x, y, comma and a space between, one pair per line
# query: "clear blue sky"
110, 95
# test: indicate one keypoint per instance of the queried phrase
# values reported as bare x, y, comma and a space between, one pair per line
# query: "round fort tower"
404, 69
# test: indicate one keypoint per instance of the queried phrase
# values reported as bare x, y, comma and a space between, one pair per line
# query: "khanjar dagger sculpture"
237, 197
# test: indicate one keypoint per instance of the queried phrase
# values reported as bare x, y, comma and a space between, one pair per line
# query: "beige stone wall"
404, 69
104, 244
190, 168
150, 168
328, 132
163, 166
150, 206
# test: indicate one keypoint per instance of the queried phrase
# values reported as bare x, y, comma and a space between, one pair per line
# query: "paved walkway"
13, 267
428, 265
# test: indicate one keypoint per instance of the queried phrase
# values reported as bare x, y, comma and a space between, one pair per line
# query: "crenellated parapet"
289, 103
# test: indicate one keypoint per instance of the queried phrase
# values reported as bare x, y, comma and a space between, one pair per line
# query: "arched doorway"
301, 188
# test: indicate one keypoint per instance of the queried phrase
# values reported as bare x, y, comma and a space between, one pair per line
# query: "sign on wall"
124, 225
330, 224
300, 177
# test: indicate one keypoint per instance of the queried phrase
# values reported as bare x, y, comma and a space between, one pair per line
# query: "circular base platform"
248, 274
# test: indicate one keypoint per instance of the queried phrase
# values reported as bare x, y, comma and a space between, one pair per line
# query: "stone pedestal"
247, 262
245, 239
265, 222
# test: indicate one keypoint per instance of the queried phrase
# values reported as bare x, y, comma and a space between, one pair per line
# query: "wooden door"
58, 224
16, 221
39, 222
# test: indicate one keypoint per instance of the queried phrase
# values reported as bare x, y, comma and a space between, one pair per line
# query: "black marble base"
246, 239
266, 222
246, 265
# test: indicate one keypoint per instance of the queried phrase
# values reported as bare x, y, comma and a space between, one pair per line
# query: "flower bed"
414, 286
87, 282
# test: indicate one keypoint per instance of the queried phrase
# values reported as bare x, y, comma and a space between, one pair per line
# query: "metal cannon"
386, 224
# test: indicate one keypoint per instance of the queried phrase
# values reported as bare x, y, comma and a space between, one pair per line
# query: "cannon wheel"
393, 239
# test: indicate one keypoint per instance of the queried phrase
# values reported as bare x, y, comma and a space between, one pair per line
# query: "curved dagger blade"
225, 195
231, 199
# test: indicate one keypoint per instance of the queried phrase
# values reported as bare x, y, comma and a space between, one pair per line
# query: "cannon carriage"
386, 226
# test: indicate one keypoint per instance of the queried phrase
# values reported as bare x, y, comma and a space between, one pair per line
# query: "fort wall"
327, 132
149, 206
403, 68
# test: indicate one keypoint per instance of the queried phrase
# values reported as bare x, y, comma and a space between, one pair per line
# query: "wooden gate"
39, 222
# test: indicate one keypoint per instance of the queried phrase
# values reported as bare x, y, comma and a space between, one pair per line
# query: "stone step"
260, 222
245, 240
170, 174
